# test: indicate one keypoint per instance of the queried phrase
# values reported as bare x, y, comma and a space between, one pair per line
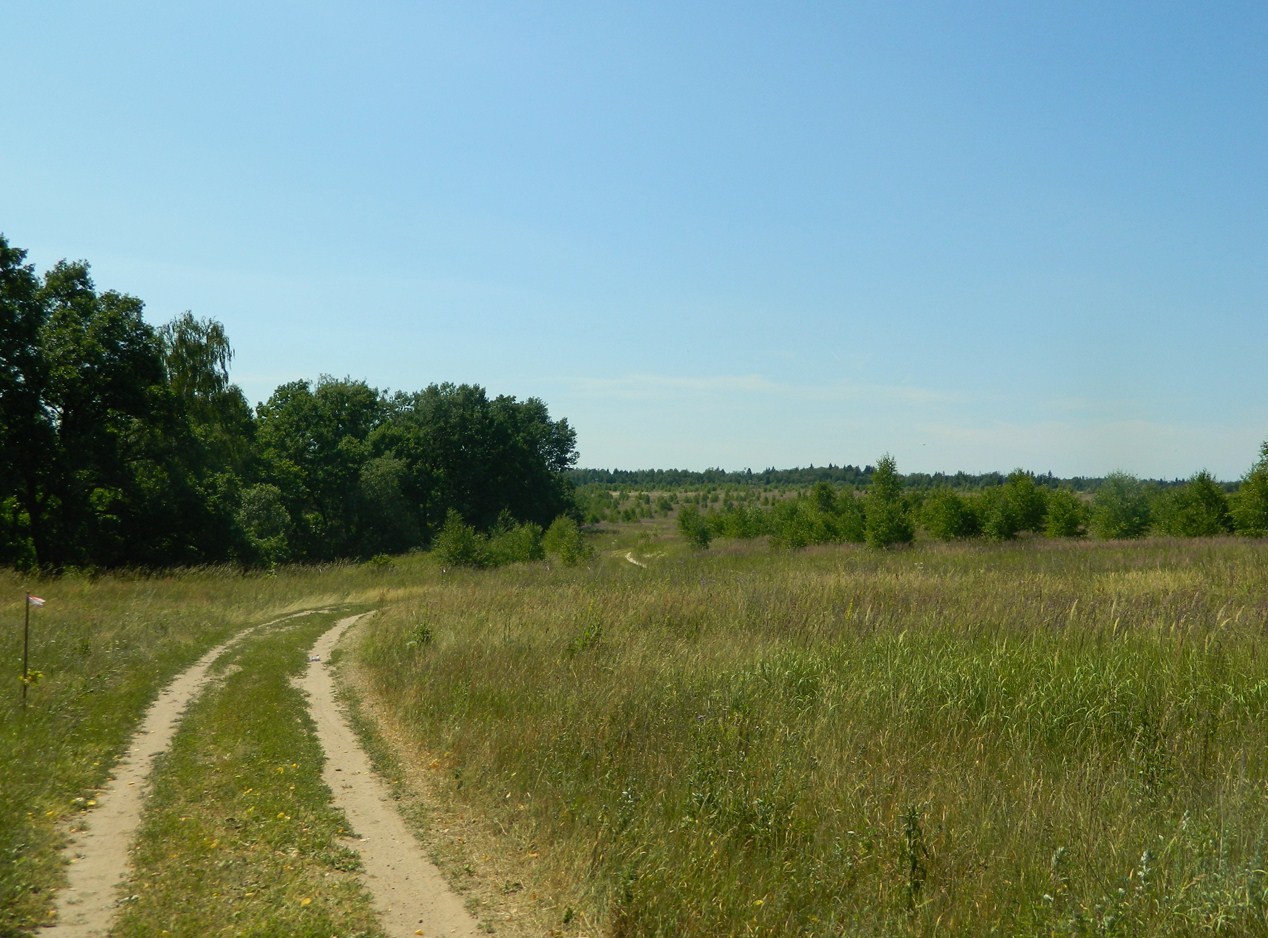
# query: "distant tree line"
126, 444
665, 480
890, 512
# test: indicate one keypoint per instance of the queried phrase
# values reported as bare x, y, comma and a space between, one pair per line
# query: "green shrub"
740, 521
887, 522
564, 540
997, 514
515, 543
1120, 508
1067, 515
1250, 501
459, 544
947, 515
1199, 508
693, 527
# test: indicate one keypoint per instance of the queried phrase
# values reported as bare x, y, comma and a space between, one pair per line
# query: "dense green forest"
126, 444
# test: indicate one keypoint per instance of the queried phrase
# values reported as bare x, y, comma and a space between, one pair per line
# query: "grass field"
1026, 739
1036, 738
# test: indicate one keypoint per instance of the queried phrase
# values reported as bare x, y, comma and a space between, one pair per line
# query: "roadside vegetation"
127, 445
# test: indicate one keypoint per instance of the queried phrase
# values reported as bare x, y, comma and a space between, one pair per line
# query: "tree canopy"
127, 444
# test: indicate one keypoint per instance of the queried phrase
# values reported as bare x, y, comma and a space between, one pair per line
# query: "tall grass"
1026, 739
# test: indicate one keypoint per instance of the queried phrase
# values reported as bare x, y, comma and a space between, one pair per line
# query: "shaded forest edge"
127, 445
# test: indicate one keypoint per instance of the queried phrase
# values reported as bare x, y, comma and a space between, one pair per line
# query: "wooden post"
26, 646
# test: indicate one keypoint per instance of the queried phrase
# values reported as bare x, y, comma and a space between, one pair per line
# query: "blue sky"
976, 236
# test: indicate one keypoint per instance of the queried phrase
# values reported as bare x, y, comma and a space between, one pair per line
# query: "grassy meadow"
1031, 738
1034, 738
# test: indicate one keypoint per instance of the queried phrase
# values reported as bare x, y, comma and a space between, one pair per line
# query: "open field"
1035, 738
1038, 738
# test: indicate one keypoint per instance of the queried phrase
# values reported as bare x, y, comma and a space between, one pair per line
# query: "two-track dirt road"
407, 889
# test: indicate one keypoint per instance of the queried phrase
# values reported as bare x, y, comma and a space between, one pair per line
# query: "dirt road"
408, 891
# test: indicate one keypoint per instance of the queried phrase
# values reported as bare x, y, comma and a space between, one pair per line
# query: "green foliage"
387, 520
480, 456
1067, 515
265, 523
694, 528
137, 449
564, 541
1120, 508
1006, 510
1250, 501
1199, 508
510, 542
887, 522
459, 544
997, 514
822, 516
314, 444
1027, 499
946, 515
740, 521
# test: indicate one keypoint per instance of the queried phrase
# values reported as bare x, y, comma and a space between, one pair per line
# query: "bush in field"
459, 544
824, 516
1004, 511
511, 542
1067, 515
693, 526
886, 520
997, 514
850, 521
1027, 500
798, 523
1250, 501
1197, 509
564, 540
1120, 508
740, 521
947, 515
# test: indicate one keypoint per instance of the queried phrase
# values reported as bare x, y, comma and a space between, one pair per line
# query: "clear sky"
974, 235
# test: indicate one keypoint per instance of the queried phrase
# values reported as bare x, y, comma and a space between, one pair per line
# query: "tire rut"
98, 851
408, 891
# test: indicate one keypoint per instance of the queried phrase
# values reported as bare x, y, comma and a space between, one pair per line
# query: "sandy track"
409, 893
99, 850
407, 889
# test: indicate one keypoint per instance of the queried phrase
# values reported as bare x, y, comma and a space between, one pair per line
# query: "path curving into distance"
410, 895
407, 890
99, 850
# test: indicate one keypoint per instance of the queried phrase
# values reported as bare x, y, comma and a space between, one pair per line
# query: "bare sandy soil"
409, 893
407, 889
